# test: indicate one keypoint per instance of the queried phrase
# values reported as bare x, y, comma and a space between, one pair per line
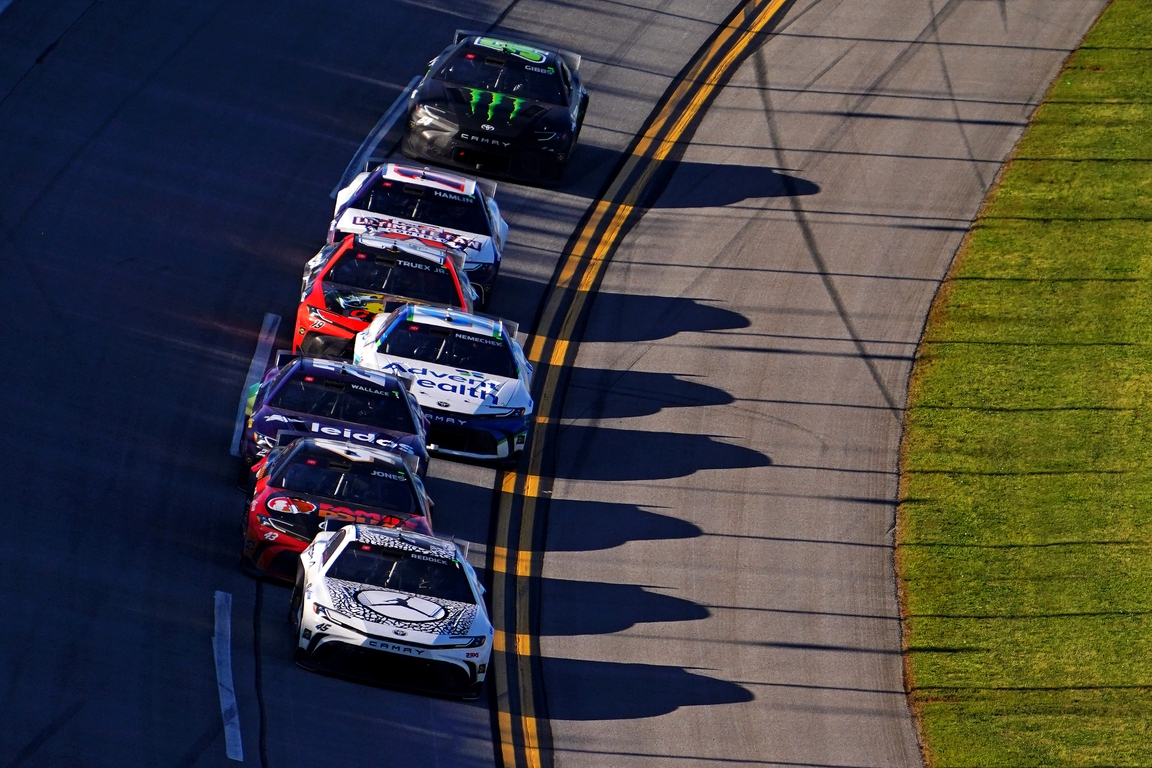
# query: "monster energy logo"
476, 102
523, 51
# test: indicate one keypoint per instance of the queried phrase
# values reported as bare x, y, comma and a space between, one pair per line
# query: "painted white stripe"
256, 370
222, 650
373, 139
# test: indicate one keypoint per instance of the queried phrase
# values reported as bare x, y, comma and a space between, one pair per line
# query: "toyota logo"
399, 632
442, 403
487, 127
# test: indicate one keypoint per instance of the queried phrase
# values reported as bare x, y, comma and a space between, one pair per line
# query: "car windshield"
438, 208
411, 572
369, 270
345, 401
505, 73
372, 484
446, 346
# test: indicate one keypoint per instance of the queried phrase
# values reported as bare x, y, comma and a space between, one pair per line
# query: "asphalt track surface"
718, 580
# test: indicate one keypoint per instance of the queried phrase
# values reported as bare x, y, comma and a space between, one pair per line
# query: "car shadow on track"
597, 690
602, 608
591, 453
688, 184
613, 394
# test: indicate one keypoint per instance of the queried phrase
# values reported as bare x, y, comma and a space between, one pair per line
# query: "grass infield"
1024, 549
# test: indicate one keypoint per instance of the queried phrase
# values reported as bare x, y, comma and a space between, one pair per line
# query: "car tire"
296, 604
244, 477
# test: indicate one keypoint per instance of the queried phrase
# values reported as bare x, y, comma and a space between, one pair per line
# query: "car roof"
461, 321
354, 452
510, 46
393, 244
328, 366
429, 177
419, 543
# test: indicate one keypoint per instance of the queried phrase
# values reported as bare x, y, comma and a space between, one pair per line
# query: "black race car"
498, 107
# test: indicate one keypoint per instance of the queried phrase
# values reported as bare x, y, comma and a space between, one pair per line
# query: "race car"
308, 397
430, 205
468, 373
391, 607
316, 481
348, 283
499, 107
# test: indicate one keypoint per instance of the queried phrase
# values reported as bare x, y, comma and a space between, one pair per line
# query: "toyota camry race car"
430, 205
330, 398
315, 481
468, 373
350, 282
500, 107
391, 607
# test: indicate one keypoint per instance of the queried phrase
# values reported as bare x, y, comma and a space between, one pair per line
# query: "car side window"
333, 545
566, 76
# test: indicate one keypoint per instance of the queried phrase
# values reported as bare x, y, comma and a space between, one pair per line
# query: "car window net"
504, 74
400, 277
432, 344
340, 401
364, 483
402, 571
447, 210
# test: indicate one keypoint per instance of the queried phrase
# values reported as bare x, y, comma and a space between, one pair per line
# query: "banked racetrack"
705, 577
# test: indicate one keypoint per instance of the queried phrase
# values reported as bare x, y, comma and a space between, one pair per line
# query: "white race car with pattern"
391, 607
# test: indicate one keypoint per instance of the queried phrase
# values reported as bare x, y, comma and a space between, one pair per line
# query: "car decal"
525, 52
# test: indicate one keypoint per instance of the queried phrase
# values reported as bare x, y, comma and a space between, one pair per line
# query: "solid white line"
373, 139
222, 650
256, 370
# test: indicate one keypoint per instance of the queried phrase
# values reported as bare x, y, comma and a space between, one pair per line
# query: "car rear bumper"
520, 163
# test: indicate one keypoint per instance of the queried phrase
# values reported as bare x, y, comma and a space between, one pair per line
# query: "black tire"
296, 604
244, 477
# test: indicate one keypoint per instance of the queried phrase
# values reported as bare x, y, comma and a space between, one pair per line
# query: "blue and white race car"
431, 205
467, 372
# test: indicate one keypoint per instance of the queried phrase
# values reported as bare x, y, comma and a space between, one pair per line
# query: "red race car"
302, 486
351, 281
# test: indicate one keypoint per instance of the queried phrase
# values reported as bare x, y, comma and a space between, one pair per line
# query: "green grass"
1025, 536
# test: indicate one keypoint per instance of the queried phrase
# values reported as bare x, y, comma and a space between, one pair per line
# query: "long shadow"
615, 455
585, 526
620, 317
691, 184
597, 690
601, 608
621, 394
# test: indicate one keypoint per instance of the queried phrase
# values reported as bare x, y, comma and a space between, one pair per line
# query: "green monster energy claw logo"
476, 100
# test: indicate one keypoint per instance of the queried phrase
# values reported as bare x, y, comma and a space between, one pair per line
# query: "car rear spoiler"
571, 59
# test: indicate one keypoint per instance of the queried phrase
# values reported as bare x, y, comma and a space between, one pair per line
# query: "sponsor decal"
249, 544
481, 669
384, 645
364, 437
476, 99
362, 516
323, 627
486, 127
520, 51
285, 419
291, 506
376, 224
485, 140
307, 634
271, 535
401, 607
399, 633
470, 384
541, 70
389, 475
471, 655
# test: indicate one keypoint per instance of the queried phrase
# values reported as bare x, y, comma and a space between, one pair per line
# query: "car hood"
477, 249
271, 422
301, 513
358, 304
415, 614
507, 117
453, 389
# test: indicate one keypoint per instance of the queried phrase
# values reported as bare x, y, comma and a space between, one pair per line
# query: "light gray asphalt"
164, 175
738, 406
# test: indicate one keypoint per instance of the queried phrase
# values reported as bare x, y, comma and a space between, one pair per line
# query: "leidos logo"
364, 437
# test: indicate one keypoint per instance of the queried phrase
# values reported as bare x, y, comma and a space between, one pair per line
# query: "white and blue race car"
467, 372
431, 205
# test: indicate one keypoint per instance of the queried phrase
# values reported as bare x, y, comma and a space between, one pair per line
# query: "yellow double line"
516, 558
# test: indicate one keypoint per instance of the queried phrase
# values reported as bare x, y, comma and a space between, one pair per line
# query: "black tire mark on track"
46, 733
